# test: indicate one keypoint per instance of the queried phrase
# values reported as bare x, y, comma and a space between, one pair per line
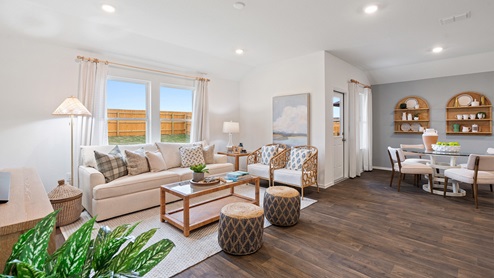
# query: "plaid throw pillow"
191, 155
297, 158
267, 152
111, 165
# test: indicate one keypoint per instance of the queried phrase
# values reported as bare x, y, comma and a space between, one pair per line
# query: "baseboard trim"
382, 168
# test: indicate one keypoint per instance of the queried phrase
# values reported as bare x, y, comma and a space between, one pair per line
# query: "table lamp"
71, 106
230, 127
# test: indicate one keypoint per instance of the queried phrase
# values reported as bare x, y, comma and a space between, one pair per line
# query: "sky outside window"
125, 95
175, 99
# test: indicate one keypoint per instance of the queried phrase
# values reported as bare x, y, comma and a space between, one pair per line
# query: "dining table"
454, 189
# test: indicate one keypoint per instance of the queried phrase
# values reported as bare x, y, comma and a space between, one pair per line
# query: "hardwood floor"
364, 228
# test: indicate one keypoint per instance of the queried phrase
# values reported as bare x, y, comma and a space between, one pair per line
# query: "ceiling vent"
455, 18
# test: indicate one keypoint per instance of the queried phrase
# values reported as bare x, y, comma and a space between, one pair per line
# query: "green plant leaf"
126, 255
151, 256
71, 261
27, 270
16, 252
109, 247
34, 250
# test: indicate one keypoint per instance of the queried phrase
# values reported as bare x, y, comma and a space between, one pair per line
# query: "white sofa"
132, 193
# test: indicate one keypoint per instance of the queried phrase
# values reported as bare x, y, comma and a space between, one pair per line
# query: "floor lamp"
72, 107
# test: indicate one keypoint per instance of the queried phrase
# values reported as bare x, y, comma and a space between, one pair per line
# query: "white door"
338, 135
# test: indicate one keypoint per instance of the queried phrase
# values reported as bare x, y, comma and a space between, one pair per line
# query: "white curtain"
200, 118
92, 93
366, 129
360, 130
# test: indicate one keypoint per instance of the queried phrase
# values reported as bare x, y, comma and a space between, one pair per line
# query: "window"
126, 110
175, 113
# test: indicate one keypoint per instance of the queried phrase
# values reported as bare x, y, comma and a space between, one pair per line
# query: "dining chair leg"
491, 187
392, 175
475, 191
431, 182
445, 186
399, 181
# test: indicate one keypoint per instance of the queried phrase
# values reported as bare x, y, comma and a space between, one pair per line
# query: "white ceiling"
203, 34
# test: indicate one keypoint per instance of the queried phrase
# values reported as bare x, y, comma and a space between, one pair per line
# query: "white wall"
293, 76
36, 78
337, 73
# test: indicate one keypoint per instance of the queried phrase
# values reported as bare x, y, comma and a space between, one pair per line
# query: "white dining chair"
398, 163
479, 170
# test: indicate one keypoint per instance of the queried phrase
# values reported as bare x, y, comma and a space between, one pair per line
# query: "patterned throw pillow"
208, 153
267, 152
297, 158
191, 155
137, 162
111, 165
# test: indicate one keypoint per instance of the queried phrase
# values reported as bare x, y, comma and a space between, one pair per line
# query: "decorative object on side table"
68, 200
81, 256
199, 171
230, 127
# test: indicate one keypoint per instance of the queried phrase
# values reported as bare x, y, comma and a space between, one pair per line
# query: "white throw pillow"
156, 161
297, 159
191, 156
267, 152
208, 153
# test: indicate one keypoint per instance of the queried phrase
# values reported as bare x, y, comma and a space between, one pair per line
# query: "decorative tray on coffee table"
206, 181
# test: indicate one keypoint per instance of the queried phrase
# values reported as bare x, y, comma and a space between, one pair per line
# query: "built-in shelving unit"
412, 125
458, 105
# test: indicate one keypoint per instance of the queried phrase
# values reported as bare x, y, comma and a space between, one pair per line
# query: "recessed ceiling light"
370, 9
108, 8
239, 51
437, 49
239, 5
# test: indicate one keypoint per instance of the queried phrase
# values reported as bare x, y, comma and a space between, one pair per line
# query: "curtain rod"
355, 81
96, 60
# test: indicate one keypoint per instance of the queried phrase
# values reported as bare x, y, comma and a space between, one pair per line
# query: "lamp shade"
231, 127
71, 106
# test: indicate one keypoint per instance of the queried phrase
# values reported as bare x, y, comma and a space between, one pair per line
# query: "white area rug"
201, 243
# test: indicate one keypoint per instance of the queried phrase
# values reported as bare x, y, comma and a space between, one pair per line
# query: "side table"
236, 156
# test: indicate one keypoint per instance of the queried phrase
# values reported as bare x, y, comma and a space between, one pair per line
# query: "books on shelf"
237, 175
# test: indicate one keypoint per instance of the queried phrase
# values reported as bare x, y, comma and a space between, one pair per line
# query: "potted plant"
416, 116
199, 171
81, 256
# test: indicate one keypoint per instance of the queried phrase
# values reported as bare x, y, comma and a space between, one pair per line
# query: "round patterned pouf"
240, 229
282, 205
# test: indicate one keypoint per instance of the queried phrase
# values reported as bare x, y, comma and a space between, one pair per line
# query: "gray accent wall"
437, 92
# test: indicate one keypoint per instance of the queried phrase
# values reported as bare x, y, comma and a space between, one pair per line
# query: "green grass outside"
129, 140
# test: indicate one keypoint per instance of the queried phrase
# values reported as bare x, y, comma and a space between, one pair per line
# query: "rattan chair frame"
255, 157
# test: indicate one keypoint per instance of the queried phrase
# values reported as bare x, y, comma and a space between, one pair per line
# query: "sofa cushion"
191, 156
132, 184
87, 152
156, 161
297, 159
208, 153
171, 153
111, 165
267, 152
137, 162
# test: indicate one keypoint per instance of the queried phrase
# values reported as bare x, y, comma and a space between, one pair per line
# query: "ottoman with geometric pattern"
282, 205
241, 228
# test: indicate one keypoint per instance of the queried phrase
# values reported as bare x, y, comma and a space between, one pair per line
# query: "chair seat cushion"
258, 169
416, 160
466, 176
416, 168
291, 177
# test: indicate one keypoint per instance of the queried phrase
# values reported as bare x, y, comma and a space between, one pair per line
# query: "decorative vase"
197, 176
429, 137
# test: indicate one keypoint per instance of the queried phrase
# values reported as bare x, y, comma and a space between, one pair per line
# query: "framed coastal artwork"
291, 119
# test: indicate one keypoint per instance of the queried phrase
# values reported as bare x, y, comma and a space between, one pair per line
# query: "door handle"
343, 140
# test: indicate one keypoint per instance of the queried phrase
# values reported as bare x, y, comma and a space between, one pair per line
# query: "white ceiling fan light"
370, 9
437, 49
108, 8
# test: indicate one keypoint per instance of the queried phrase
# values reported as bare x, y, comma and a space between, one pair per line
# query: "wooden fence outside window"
172, 122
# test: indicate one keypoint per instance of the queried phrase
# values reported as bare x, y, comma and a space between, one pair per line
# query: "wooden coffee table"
192, 217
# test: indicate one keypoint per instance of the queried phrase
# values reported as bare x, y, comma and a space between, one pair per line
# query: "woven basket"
69, 200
